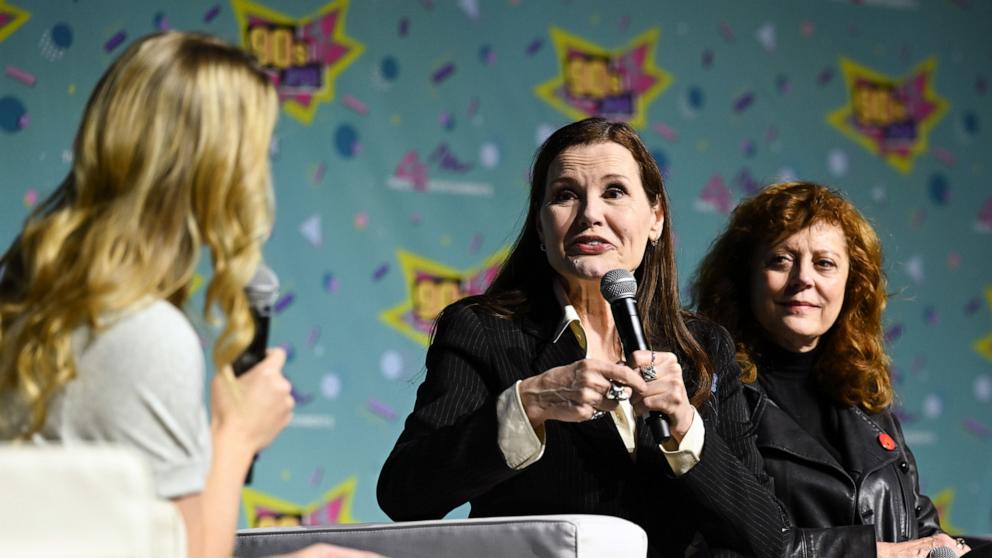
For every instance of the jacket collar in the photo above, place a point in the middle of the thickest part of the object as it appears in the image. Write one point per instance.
(863, 448)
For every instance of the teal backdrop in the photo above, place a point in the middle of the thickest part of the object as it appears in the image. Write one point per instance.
(401, 160)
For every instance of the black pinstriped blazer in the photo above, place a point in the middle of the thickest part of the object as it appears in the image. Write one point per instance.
(448, 452)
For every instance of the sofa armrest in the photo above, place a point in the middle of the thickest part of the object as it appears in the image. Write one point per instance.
(544, 536)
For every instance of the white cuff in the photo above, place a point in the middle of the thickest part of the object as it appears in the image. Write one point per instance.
(687, 454)
(518, 441)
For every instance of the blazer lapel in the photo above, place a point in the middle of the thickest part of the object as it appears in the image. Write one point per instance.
(599, 434)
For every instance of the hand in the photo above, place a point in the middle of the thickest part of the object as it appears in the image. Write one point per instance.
(572, 393)
(255, 406)
(666, 393)
(919, 548)
(322, 550)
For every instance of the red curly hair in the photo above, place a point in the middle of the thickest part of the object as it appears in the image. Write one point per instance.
(853, 367)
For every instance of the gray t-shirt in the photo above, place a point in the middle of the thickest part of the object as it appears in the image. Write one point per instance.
(140, 383)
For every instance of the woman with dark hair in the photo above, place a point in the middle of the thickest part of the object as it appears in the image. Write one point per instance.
(527, 406)
(797, 280)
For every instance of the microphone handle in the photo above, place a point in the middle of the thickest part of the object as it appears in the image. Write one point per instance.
(632, 337)
(252, 355)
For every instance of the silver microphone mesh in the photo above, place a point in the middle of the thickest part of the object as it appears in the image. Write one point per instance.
(617, 284)
(262, 289)
(942, 552)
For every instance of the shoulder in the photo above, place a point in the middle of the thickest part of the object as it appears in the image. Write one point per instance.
(151, 338)
(713, 338)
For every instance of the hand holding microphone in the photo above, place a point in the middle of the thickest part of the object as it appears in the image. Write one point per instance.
(667, 391)
(258, 404)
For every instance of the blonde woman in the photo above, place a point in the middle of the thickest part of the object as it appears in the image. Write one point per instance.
(171, 155)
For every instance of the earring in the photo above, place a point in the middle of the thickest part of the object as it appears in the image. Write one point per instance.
(543, 249)
(654, 242)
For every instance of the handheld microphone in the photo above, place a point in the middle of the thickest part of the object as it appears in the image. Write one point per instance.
(262, 291)
(619, 287)
(942, 552)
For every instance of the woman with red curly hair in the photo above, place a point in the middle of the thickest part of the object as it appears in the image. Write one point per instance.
(797, 279)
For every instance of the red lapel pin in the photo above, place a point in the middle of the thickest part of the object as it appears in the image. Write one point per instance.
(886, 441)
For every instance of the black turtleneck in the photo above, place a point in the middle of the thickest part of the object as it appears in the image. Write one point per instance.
(789, 380)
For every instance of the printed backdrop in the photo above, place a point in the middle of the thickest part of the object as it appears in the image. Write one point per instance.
(401, 159)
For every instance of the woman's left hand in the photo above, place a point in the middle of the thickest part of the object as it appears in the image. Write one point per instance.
(666, 393)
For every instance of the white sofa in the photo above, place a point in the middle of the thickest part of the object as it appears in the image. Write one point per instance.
(548, 536)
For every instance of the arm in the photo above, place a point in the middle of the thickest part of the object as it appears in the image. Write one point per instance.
(248, 413)
(447, 453)
(729, 481)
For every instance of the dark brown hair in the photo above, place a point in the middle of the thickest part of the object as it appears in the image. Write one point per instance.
(525, 281)
(853, 367)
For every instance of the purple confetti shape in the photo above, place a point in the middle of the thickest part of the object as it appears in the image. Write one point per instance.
(981, 86)
(931, 316)
(707, 58)
(300, 397)
(825, 76)
(624, 22)
(743, 102)
(114, 41)
(443, 73)
(318, 174)
(381, 409)
(473, 106)
(211, 13)
(726, 31)
(535, 46)
(314, 336)
(893, 333)
(290, 351)
(972, 306)
(380, 272)
(404, 26)
(476, 243)
(284, 302)
(330, 283)
(978, 429)
(317, 476)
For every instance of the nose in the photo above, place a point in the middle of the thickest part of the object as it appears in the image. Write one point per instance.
(591, 212)
(801, 277)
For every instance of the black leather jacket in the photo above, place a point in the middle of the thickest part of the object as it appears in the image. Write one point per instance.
(842, 510)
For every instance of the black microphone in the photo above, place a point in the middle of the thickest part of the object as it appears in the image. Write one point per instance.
(619, 287)
(262, 291)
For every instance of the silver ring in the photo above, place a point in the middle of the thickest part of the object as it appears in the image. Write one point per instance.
(960, 542)
(616, 392)
(649, 373)
(597, 414)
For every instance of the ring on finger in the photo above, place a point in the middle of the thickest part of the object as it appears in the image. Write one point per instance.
(597, 414)
(960, 542)
(616, 392)
(649, 373)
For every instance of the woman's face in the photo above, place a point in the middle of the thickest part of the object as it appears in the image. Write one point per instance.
(797, 285)
(596, 216)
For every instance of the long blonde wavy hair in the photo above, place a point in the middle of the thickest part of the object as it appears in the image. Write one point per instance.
(853, 367)
(171, 155)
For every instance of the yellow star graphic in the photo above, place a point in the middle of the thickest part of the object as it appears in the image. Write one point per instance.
(279, 44)
(11, 17)
(334, 507)
(430, 287)
(943, 501)
(891, 118)
(590, 75)
(983, 346)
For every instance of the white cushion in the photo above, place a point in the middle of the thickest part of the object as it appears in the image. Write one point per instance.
(83, 502)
